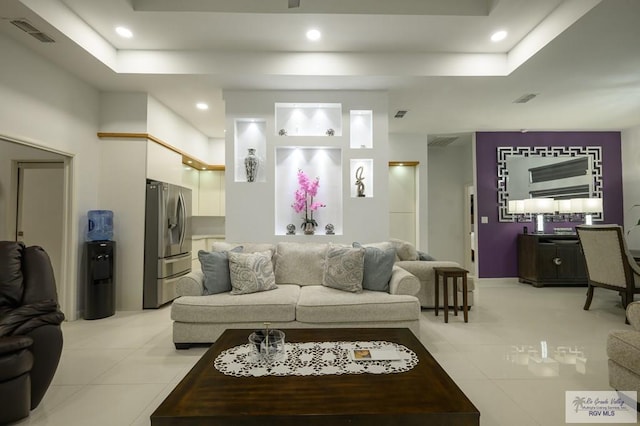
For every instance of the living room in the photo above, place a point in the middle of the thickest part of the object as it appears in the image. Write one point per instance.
(48, 107)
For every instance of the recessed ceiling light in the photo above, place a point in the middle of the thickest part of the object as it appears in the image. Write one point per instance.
(202, 106)
(498, 36)
(124, 32)
(314, 35)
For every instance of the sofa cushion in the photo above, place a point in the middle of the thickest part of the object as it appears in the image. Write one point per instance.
(623, 347)
(251, 272)
(300, 263)
(215, 266)
(343, 268)
(378, 267)
(319, 304)
(404, 249)
(275, 305)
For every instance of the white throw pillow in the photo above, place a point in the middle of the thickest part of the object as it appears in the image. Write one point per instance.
(251, 272)
(344, 268)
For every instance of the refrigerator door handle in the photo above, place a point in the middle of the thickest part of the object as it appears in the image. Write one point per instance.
(182, 220)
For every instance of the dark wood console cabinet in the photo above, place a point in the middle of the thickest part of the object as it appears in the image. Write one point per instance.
(545, 260)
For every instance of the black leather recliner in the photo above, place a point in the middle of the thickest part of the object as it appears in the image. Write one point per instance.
(30, 333)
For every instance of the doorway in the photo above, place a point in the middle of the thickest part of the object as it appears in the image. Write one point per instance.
(403, 201)
(469, 229)
(36, 207)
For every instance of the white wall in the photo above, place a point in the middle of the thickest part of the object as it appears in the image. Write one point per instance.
(123, 112)
(123, 190)
(250, 206)
(450, 169)
(173, 129)
(136, 112)
(216, 151)
(405, 147)
(43, 104)
(631, 184)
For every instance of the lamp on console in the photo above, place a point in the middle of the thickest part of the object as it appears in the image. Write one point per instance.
(588, 206)
(516, 207)
(539, 206)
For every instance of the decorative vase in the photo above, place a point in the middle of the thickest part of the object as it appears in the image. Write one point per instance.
(309, 229)
(329, 229)
(251, 165)
(359, 183)
(291, 229)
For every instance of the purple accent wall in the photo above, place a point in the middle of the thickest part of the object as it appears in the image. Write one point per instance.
(497, 254)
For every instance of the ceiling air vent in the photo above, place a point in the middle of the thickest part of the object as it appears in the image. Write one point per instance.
(28, 28)
(443, 140)
(525, 98)
(400, 114)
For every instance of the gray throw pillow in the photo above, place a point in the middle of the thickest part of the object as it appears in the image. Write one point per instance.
(215, 266)
(251, 272)
(424, 256)
(343, 268)
(378, 267)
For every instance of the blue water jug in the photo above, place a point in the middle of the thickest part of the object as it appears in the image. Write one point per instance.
(100, 225)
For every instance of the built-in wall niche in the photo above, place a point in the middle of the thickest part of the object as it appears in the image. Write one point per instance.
(250, 134)
(361, 172)
(324, 163)
(361, 124)
(308, 119)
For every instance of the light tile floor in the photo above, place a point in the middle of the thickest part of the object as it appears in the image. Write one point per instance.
(117, 370)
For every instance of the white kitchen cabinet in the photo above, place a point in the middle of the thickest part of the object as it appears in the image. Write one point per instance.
(191, 180)
(222, 194)
(163, 164)
(211, 193)
(402, 203)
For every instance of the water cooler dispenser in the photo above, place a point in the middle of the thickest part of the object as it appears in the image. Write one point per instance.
(100, 291)
(100, 294)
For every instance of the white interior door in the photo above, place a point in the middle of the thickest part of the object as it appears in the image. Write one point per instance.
(402, 203)
(40, 217)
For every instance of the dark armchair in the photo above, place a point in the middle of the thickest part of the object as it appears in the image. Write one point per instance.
(30, 333)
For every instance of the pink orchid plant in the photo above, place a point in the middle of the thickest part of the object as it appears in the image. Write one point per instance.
(304, 198)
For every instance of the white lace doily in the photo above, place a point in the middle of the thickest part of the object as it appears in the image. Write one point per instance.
(314, 359)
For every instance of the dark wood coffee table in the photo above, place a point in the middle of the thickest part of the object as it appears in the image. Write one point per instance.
(423, 395)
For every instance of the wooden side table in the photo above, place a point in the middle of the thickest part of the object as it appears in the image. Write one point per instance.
(454, 273)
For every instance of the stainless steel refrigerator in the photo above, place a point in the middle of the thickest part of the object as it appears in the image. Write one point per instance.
(167, 247)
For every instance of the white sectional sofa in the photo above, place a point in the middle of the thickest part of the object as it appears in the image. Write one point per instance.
(311, 290)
